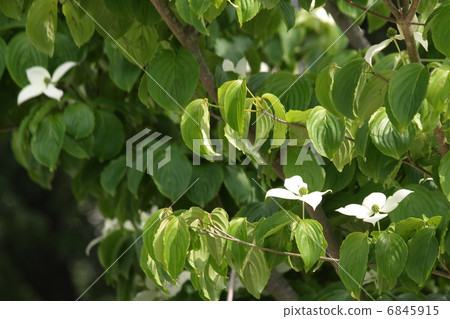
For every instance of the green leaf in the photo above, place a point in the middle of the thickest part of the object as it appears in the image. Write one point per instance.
(295, 91)
(246, 10)
(264, 124)
(279, 129)
(376, 165)
(134, 179)
(407, 90)
(42, 20)
(272, 224)
(237, 254)
(139, 44)
(21, 55)
(326, 131)
(346, 85)
(176, 243)
(79, 120)
(123, 73)
(374, 22)
(151, 270)
(2, 56)
(256, 273)
(112, 174)
(108, 134)
(78, 148)
(288, 12)
(234, 104)
(353, 262)
(305, 4)
(12, 8)
(217, 246)
(440, 37)
(310, 241)
(345, 153)
(444, 176)
(238, 184)
(173, 79)
(386, 137)
(421, 202)
(269, 4)
(81, 26)
(391, 254)
(172, 179)
(195, 127)
(323, 88)
(48, 140)
(423, 252)
(372, 96)
(210, 178)
(408, 227)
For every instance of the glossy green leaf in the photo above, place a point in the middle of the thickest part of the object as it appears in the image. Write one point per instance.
(108, 134)
(391, 253)
(12, 8)
(237, 254)
(444, 175)
(173, 178)
(269, 4)
(288, 12)
(195, 128)
(353, 262)
(326, 131)
(346, 85)
(294, 91)
(310, 241)
(48, 140)
(210, 178)
(386, 137)
(216, 246)
(81, 26)
(264, 124)
(407, 90)
(423, 252)
(372, 96)
(406, 228)
(323, 88)
(174, 77)
(123, 73)
(279, 129)
(189, 15)
(80, 148)
(272, 224)
(256, 273)
(176, 243)
(346, 151)
(246, 10)
(234, 105)
(41, 26)
(305, 4)
(79, 120)
(238, 184)
(139, 44)
(112, 174)
(440, 37)
(21, 55)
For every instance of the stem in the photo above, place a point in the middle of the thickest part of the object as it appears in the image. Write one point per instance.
(416, 166)
(189, 40)
(399, 51)
(441, 139)
(303, 210)
(231, 285)
(379, 228)
(280, 120)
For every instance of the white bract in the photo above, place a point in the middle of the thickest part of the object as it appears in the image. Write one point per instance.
(41, 82)
(297, 189)
(377, 48)
(242, 67)
(374, 205)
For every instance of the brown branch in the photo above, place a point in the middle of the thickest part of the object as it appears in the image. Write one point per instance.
(441, 139)
(285, 253)
(189, 40)
(370, 11)
(231, 285)
(416, 166)
(412, 11)
(393, 9)
(346, 24)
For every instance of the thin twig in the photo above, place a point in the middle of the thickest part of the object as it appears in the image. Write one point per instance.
(441, 139)
(440, 274)
(370, 11)
(393, 9)
(281, 121)
(285, 253)
(411, 163)
(231, 285)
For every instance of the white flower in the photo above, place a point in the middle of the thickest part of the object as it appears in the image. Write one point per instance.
(242, 67)
(298, 190)
(377, 48)
(42, 83)
(373, 205)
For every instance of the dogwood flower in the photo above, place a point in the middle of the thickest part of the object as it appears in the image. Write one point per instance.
(374, 205)
(241, 68)
(297, 189)
(41, 82)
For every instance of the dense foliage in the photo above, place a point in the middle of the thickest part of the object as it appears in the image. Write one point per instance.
(274, 83)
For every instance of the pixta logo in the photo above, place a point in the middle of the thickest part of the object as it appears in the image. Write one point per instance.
(148, 150)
